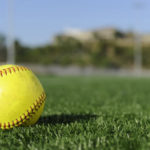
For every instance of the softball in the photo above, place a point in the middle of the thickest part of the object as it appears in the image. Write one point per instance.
(22, 97)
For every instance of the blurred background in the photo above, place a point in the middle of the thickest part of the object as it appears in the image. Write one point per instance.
(76, 37)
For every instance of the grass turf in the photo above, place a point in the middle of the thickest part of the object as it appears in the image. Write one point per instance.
(88, 113)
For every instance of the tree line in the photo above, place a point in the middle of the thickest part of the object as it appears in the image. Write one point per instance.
(67, 50)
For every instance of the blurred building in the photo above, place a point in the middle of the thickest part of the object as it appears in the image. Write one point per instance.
(121, 37)
(145, 39)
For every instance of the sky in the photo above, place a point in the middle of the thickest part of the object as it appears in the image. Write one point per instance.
(36, 22)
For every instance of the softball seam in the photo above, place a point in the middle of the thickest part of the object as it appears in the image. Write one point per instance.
(31, 110)
(10, 70)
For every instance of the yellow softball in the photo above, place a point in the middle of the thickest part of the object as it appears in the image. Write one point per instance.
(22, 97)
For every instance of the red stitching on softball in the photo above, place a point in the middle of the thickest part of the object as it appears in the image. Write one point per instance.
(20, 119)
(32, 109)
(1, 73)
(4, 125)
(17, 68)
(5, 71)
(12, 69)
(13, 123)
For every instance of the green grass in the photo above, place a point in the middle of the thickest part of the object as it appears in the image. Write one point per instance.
(88, 113)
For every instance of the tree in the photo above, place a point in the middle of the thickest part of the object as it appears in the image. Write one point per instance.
(2, 48)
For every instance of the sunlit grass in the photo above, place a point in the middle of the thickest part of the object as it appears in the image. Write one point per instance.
(88, 113)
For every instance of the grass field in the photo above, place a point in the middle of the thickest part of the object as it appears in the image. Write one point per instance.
(88, 113)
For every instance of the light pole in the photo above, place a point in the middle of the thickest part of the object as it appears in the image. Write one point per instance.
(10, 36)
(138, 53)
(138, 44)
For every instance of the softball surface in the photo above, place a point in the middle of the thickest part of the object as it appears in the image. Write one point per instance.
(22, 97)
